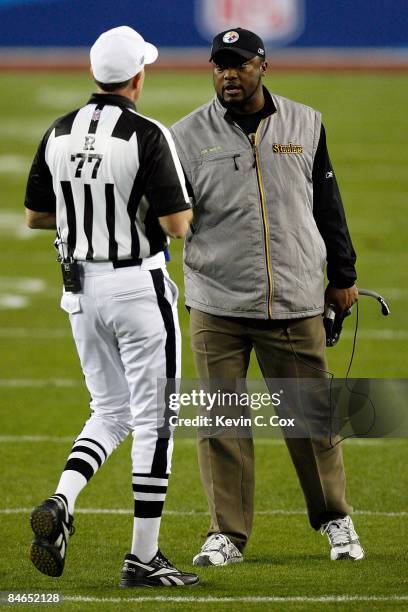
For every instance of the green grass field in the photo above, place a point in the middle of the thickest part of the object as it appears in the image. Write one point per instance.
(44, 402)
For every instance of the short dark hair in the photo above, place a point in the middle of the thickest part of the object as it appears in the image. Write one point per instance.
(111, 87)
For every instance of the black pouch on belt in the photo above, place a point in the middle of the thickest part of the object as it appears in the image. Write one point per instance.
(70, 275)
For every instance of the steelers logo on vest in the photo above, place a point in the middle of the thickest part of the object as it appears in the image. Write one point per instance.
(230, 37)
(283, 149)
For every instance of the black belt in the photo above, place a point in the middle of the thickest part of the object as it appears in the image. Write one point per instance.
(126, 263)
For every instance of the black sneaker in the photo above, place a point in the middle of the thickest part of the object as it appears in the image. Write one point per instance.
(158, 572)
(52, 526)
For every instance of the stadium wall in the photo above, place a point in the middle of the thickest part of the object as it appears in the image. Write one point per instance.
(299, 34)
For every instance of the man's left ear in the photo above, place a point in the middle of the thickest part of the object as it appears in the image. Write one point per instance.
(264, 66)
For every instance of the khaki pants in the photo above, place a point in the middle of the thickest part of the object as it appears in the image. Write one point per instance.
(222, 348)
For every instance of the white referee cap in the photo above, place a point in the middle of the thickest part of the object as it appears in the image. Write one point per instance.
(119, 54)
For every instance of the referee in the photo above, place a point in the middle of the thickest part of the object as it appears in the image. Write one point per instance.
(109, 181)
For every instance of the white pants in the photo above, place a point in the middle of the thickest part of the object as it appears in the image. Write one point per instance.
(125, 325)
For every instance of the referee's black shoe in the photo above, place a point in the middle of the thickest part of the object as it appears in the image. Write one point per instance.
(52, 525)
(159, 572)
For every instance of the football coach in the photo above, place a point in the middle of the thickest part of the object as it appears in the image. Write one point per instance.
(267, 218)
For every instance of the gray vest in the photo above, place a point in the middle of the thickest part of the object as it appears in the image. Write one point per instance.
(254, 249)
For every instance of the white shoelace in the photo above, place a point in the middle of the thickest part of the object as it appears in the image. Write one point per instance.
(216, 541)
(338, 531)
(210, 544)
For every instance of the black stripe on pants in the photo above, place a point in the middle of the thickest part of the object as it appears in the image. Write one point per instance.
(159, 464)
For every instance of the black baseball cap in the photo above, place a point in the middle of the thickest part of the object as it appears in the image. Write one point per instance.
(245, 43)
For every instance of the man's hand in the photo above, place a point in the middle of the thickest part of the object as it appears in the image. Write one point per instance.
(343, 299)
(177, 224)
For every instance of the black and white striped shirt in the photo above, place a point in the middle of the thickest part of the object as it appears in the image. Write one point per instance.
(108, 173)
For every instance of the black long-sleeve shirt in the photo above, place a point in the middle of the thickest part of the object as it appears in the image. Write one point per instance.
(330, 218)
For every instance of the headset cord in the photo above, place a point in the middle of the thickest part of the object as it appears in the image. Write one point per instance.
(331, 375)
(354, 344)
(332, 444)
(359, 393)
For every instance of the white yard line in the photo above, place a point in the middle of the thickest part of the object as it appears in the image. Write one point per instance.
(12, 222)
(8, 301)
(260, 599)
(393, 293)
(23, 332)
(22, 284)
(24, 438)
(377, 334)
(39, 382)
(393, 335)
(14, 164)
(271, 512)
(188, 441)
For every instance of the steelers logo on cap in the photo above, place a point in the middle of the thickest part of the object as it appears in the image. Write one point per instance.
(230, 37)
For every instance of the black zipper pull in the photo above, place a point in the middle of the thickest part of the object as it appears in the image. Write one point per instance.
(254, 147)
(255, 154)
(235, 160)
